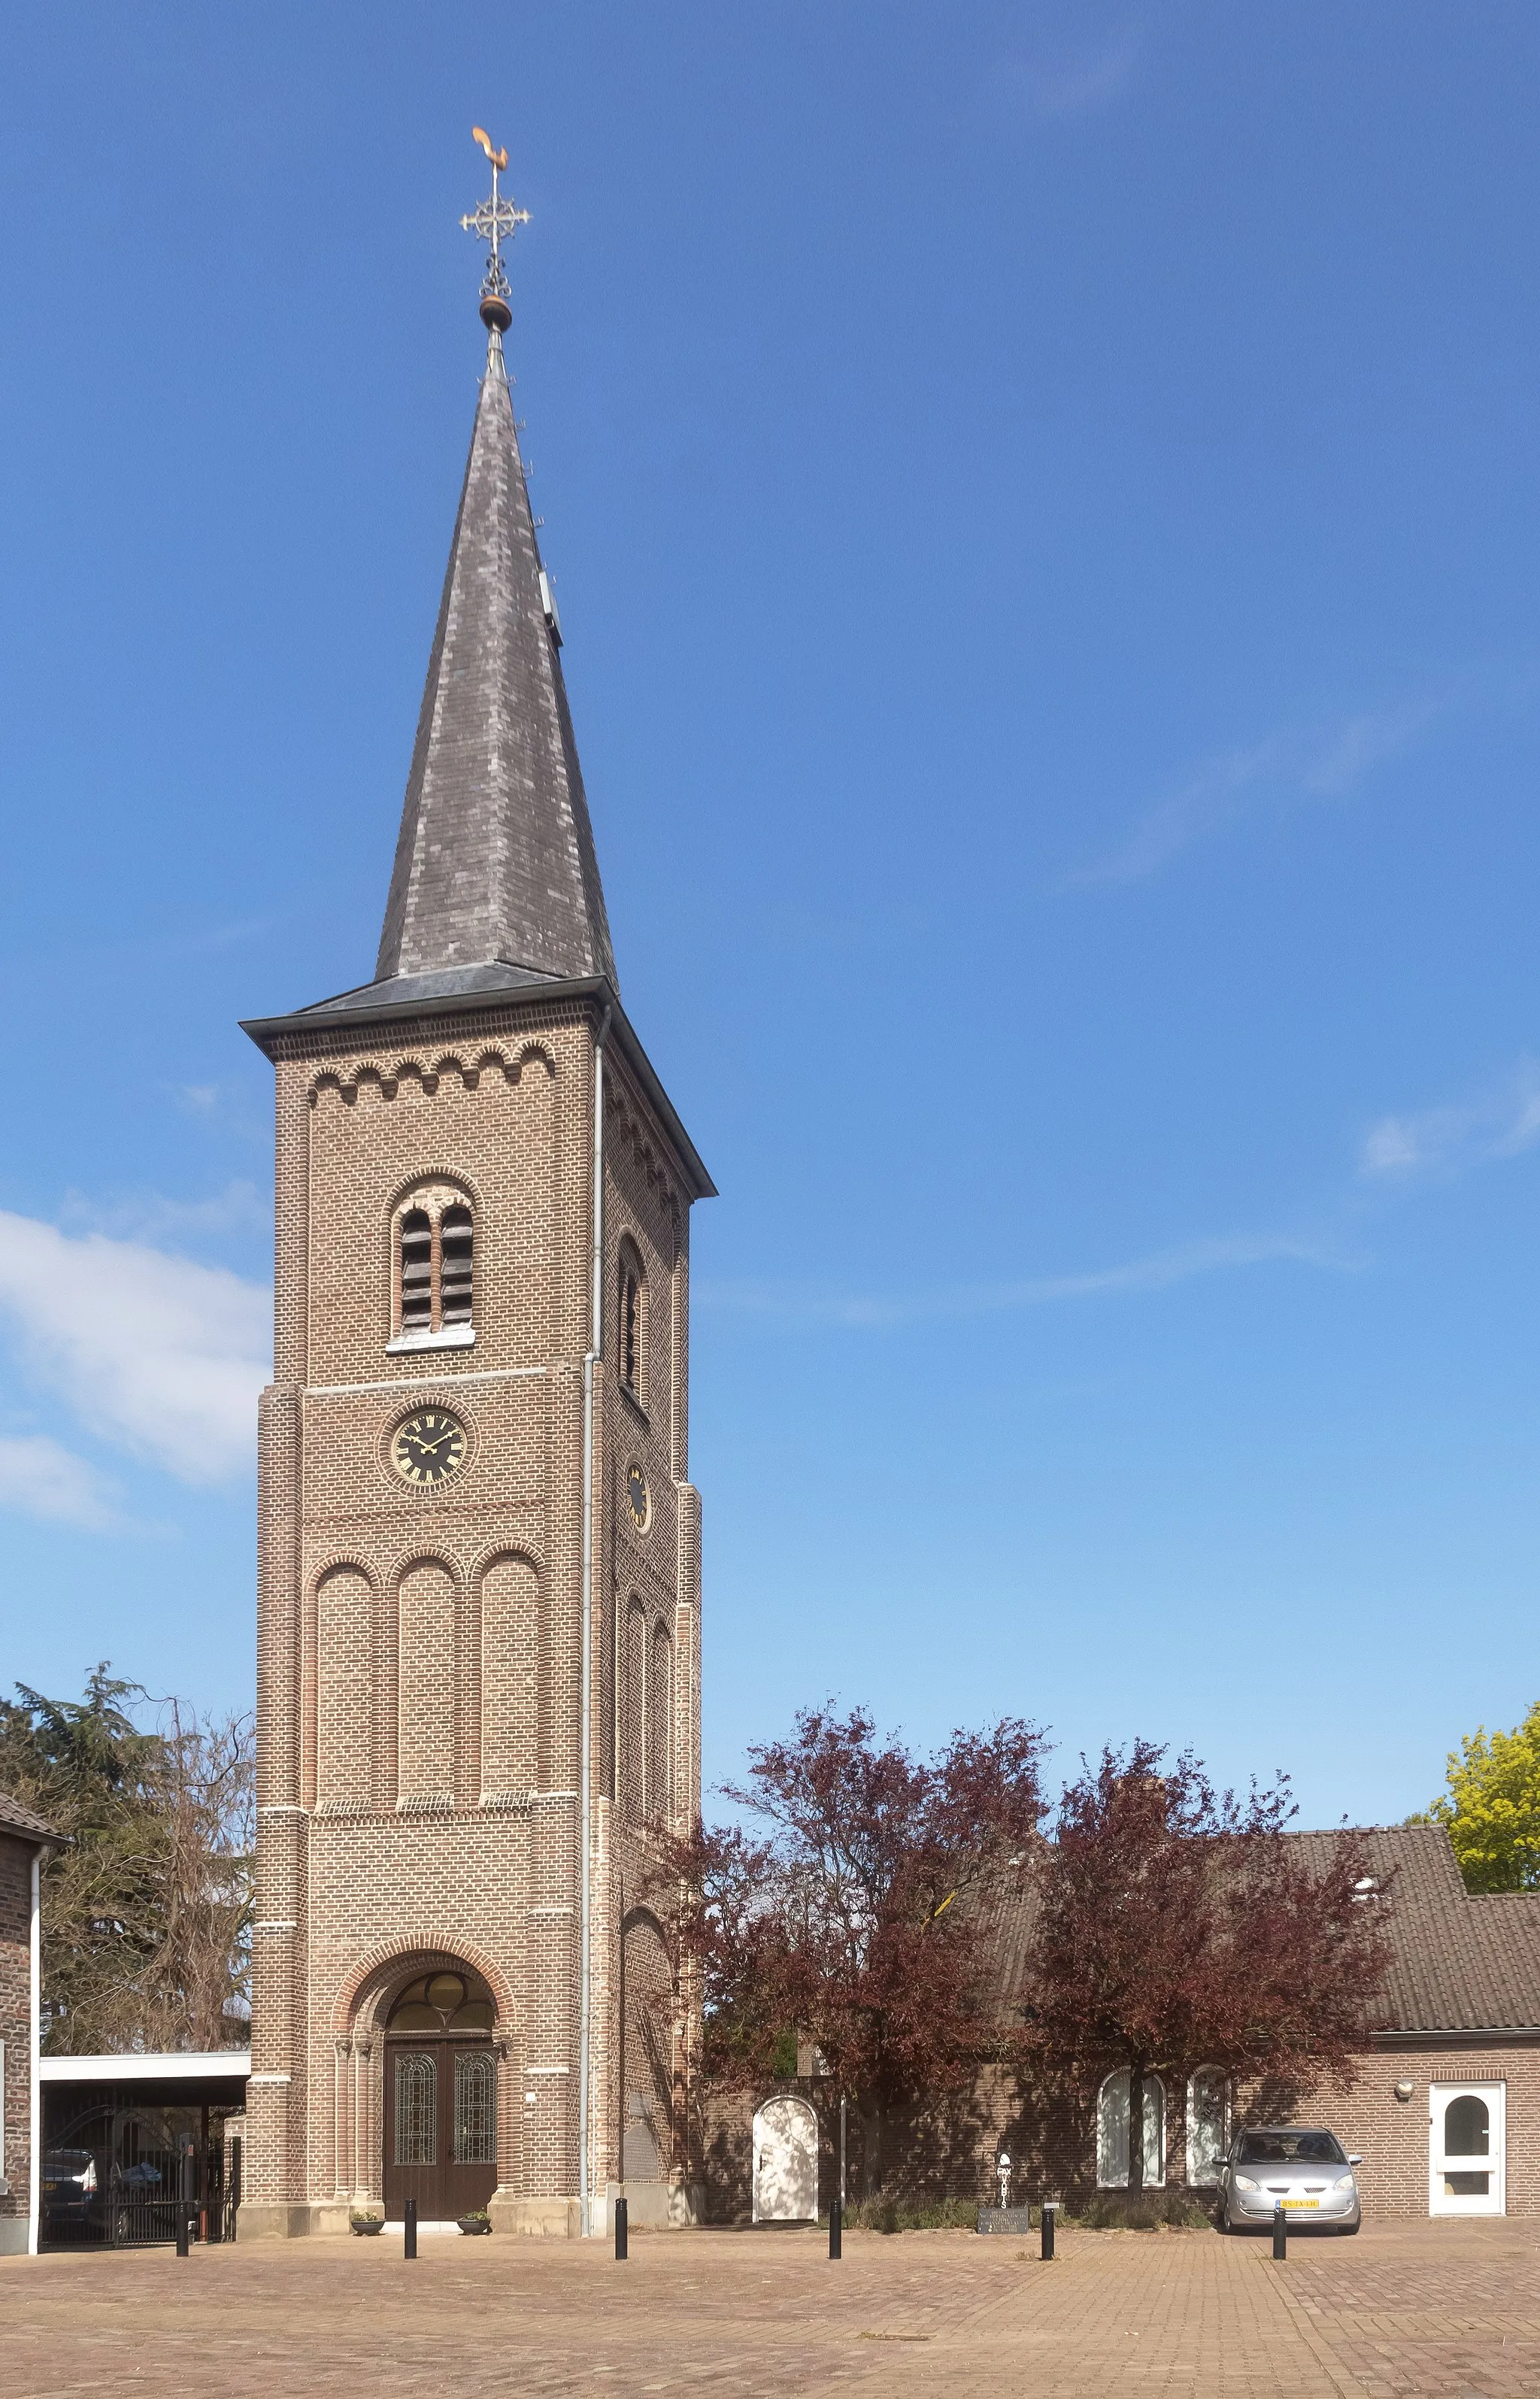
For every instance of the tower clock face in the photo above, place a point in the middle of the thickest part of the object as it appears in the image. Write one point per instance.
(428, 1448)
(636, 1494)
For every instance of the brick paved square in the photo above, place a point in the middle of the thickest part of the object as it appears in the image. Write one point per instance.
(1406, 2309)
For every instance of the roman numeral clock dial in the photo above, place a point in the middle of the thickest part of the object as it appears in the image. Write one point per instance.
(428, 1448)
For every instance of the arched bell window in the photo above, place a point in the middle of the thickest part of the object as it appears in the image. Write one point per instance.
(434, 1262)
(632, 1325)
(456, 1236)
(416, 1271)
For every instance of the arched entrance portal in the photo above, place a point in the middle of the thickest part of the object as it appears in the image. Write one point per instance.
(440, 2097)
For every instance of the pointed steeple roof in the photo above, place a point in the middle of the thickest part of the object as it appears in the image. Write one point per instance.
(494, 865)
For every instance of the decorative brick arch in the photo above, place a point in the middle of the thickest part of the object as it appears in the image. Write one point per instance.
(426, 1071)
(389, 1963)
(409, 1559)
(649, 2094)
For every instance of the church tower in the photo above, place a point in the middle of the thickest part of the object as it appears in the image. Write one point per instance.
(479, 1597)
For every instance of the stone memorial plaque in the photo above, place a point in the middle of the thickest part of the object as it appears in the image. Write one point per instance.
(1005, 2219)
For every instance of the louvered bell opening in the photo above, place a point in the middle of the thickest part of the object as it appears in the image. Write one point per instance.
(630, 1329)
(455, 1270)
(416, 1272)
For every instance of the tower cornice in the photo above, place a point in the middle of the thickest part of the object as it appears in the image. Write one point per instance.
(333, 1028)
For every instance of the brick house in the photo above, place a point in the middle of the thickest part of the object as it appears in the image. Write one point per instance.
(25, 1841)
(1456, 2057)
(479, 1582)
(1445, 2108)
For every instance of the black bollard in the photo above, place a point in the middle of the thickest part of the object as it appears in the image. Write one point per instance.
(1280, 2231)
(1050, 2209)
(836, 2230)
(183, 2250)
(622, 2231)
(410, 2245)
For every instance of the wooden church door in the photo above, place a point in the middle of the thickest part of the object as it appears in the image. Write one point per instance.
(441, 2098)
(440, 2128)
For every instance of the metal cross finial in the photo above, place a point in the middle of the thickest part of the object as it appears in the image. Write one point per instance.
(495, 221)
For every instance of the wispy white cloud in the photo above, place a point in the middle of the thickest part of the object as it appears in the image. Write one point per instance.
(1073, 77)
(150, 1217)
(39, 1477)
(1500, 1120)
(154, 1353)
(1287, 769)
(1157, 1271)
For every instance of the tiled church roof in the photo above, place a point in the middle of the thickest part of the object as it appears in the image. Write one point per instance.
(496, 884)
(496, 894)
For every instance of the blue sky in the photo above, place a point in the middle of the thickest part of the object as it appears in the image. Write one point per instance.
(1044, 506)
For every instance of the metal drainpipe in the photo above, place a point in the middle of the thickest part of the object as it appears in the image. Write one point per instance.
(35, 2091)
(596, 1330)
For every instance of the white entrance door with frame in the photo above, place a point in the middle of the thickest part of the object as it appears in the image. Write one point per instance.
(1465, 2144)
(786, 2162)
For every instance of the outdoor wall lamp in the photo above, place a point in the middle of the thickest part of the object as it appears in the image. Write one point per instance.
(1405, 2090)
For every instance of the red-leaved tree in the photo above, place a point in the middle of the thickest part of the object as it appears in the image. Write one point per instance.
(1181, 1926)
(850, 1921)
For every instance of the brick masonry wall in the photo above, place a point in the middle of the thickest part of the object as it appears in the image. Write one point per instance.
(1393, 2133)
(949, 2150)
(16, 1859)
(420, 1657)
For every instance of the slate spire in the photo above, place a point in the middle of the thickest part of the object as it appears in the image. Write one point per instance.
(496, 862)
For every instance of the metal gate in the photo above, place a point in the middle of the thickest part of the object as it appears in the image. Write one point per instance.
(117, 2178)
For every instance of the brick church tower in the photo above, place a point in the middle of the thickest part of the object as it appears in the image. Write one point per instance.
(479, 1549)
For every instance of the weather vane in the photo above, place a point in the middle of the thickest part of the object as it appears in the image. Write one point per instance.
(495, 221)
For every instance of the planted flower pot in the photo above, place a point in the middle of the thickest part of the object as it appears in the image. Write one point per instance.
(477, 2221)
(365, 2224)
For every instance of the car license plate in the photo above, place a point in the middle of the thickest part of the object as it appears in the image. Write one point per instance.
(1302, 2203)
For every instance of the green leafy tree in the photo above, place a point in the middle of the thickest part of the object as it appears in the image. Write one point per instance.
(146, 1914)
(1491, 1807)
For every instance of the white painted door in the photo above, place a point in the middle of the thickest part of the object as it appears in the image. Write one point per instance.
(1466, 2144)
(786, 2162)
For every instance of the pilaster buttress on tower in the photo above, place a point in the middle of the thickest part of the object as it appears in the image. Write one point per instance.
(478, 1591)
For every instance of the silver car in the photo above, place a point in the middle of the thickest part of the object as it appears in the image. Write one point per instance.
(1304, 2166)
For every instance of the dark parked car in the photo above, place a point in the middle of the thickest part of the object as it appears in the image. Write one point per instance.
(69, 2185)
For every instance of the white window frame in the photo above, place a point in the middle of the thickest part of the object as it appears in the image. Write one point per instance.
(1107, 2176)
(1207, 2073)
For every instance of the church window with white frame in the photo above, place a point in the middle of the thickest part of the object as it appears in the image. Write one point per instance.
(1112, 2131)
(1208, 2125)
(433, 1261)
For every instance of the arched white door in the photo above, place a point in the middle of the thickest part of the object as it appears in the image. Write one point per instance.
(1466, 2131)
(786, 2162)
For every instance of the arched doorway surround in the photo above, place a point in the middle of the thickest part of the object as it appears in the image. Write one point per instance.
(423, 2100)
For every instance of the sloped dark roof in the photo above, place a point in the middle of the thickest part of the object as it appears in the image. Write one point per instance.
(495, 863)
(1463, 1961)
(14, 1818)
